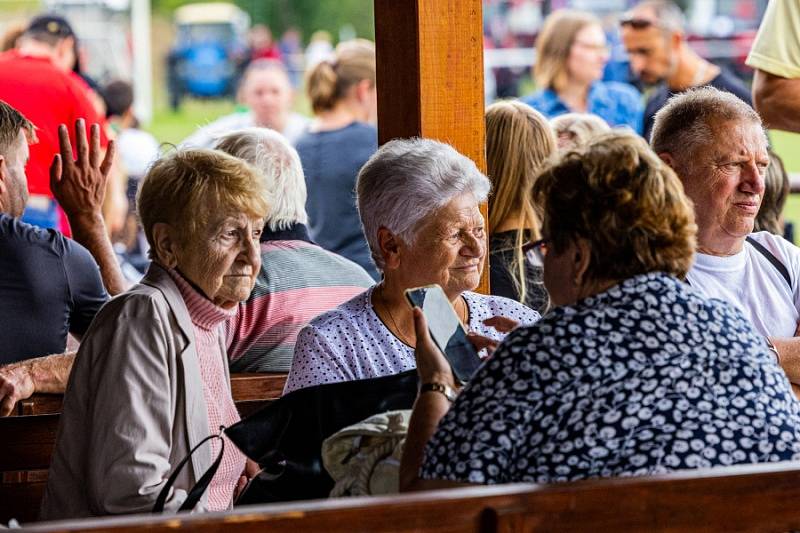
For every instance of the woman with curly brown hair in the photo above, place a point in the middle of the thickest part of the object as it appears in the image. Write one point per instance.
(632, 373)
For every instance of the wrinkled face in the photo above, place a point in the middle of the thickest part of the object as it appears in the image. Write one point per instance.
(223, 259)
(269, 95)
(725, 180)
(449, 248)
(588, 55)
(15, 181)
(651, 56)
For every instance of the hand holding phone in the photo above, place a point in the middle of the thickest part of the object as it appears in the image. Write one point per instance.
(446, 330)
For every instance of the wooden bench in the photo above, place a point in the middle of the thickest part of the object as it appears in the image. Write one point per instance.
(27, 440)
(248, 390)
(744, 498)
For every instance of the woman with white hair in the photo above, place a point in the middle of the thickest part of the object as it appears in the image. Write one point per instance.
(418, 202)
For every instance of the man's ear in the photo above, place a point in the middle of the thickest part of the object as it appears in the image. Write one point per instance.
(667, 158)
(165, 244)
(3, 180)
(390, 247)
(581, 257)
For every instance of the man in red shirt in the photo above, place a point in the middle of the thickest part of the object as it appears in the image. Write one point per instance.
(36, 79)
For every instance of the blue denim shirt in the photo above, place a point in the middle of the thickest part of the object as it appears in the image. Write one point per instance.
(619, 104)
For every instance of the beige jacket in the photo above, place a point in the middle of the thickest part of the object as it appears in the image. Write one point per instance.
(134, 407)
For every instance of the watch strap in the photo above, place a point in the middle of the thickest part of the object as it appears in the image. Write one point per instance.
(441, 388)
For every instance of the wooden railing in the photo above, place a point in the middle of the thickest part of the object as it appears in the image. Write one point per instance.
(758, 498)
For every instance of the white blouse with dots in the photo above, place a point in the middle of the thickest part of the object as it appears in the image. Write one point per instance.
(351, 342)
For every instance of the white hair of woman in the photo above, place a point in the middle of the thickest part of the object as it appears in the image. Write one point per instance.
(270, 153)
(407, 180)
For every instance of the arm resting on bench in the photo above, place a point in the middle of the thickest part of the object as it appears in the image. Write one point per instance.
(18, 381)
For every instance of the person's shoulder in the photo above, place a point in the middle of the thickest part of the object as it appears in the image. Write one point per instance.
(619, 90)
(777, 245)
(36, 240)
(501, 306)
(348, 315)
(541, 99)
(727, 81)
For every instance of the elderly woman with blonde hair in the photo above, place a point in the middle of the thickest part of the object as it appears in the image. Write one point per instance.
(633, 372)
(150, 380)
(518, 143)
(418, 202)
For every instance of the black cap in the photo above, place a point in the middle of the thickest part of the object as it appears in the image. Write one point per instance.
(54, 25)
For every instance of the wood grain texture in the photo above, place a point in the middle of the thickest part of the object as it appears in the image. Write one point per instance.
(758, 498)
(430, 76)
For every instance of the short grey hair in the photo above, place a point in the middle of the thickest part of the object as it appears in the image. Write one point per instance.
(406, 181)
(668, 16)
(270, 153)
(688, 120)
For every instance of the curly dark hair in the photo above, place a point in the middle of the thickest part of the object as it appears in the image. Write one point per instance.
(618, 195)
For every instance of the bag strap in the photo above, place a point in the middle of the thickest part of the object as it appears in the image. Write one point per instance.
(200, 487)
(772, 259)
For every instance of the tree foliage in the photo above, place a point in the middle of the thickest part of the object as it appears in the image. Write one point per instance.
(306, 15)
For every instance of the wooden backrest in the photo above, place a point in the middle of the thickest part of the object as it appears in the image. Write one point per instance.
(27, 440)
(748, 498)
(256, 387)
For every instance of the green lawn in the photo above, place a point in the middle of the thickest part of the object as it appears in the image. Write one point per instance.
(172, 127)
(787, 145)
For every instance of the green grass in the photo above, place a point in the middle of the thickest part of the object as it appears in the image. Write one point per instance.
(172, 127)
(787, 145)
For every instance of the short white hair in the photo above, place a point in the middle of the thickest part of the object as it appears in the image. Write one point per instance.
(270, 153)
(407, 180)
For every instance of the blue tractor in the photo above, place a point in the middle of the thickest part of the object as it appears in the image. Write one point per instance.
(209, 53)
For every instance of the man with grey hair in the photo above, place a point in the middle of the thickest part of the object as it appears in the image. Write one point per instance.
(717, 146)
(654, 38)
(298, 280)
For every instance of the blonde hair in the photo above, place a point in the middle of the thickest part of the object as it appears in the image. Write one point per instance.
(331, 79)
(519, 140)
(182, 188)
(574, 130)
(776, 189)
(553, 46)
(625, 201)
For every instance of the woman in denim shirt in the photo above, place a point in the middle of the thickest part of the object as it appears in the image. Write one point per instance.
(571, 54)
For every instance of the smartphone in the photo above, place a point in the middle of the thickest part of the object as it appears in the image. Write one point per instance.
(446, 330)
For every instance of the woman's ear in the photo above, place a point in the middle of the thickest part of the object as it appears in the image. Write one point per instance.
(581, 257)
(389, 248)
(166, 244)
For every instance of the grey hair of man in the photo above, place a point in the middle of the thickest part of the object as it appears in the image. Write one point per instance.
(666, 13)
(408, 180)
(691, 120)
(270, 153)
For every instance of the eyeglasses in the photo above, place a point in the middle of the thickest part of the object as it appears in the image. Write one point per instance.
(538, 247)
(637, 23)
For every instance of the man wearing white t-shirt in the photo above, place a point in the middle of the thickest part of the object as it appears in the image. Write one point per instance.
(717, 146)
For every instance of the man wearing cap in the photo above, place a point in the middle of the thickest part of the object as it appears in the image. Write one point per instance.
(653, 35)
(36, 79)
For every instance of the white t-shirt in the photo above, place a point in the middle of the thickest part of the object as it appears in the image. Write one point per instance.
(351, 342)
(206, 136)
(754, 285)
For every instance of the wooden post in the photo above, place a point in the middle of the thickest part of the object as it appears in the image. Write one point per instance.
(430, 76)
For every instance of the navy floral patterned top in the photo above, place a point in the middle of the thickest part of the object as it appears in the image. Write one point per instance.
(644, 378)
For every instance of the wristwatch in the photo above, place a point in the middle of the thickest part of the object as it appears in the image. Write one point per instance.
(441, 388)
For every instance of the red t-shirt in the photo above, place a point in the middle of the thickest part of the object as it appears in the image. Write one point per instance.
(47, 97)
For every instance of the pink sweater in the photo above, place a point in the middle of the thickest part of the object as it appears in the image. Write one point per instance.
(207, 320)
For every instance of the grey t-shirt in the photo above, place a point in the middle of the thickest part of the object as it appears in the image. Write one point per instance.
(331, 161)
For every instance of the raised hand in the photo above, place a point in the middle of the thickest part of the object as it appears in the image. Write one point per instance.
(79, 185)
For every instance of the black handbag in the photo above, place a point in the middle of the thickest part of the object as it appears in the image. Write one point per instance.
(285, 438)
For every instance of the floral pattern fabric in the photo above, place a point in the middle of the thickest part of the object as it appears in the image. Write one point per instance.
(645, 378)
